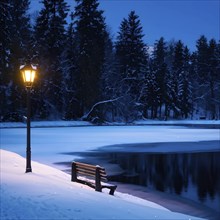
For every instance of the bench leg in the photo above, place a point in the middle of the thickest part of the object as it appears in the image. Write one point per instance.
(112, 190)
(98, 186)
(73, 174)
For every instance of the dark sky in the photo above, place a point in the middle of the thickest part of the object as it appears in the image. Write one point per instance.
(184, 20)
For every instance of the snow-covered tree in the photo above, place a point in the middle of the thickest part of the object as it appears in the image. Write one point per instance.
(160, 71)
(5, 40)
(69, 73)
(213, 78)
(177, 71)
(206, 69)
(15, 40)
(90, 52)
(150, 98)
(131, 54)
(110, 83)
(185, 86)
(50, 35)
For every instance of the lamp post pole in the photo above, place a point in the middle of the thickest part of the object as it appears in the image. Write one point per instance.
(28, 72)
(28, 150)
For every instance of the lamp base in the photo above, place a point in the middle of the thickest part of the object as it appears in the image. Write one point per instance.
(28, 170)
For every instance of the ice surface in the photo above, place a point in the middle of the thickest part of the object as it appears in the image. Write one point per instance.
(52, 144)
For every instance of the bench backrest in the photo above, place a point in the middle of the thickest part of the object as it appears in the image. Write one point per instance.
(96, 172)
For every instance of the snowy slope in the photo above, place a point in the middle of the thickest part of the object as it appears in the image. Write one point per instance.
(48, 193)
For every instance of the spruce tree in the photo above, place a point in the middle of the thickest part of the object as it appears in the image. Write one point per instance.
(110, 83)
(213, 78)
(177, 73)
(150, 98)
(5, 40)
(131, 53)
(69, 70)
(50, 36)
(206, 69)
(185, 86)
(202, 57)
(90, 38)
(16, 50)
(178, 82)
(160, 71)
(201, 70)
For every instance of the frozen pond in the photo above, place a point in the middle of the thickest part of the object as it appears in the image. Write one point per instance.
(195, 176)
(47, 143)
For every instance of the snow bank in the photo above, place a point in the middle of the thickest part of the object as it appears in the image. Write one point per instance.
(48, 193)
(177, 122)
(60, 123)
(39, 124)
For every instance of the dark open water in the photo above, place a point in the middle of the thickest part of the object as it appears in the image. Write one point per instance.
(192, 176)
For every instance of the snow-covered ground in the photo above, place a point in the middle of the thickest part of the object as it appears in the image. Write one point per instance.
(54, 196)
(48, 193)
(44, 124)
(85, 123)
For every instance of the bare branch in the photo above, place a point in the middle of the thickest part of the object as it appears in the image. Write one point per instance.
(99, 103)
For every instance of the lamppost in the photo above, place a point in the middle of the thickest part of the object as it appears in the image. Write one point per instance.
(28, 72)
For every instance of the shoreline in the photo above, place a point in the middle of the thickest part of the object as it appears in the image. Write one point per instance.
(169, 201)
(197, 124)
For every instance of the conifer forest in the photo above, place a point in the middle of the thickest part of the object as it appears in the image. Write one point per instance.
(86, 74)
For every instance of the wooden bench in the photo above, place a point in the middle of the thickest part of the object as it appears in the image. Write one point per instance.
(91, 175)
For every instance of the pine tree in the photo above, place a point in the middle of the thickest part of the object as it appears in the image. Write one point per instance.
(50, 36)
(179, 85)
(69, 70)
(201, 69)
(177, 73)
(218, 80)
(169, 60)
(151, 92)
(202, 57)
(5, 40)
(160, 70)
(110, 83)
(185, 86)
(16, 38)
(206, 69)
(213, 77)
(90, 38)
(131, 53)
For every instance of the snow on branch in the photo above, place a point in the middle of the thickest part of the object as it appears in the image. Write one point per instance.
(99, 103)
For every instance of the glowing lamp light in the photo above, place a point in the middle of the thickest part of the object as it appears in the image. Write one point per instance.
(28, 73)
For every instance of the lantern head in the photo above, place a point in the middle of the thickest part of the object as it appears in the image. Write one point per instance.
(28, 73)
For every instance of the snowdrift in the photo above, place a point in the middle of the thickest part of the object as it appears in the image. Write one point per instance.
(48, 193)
